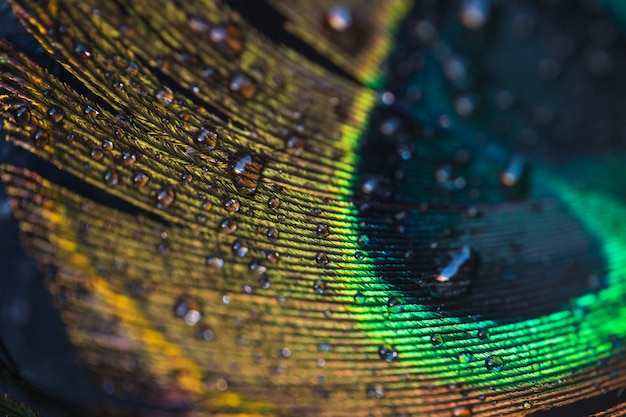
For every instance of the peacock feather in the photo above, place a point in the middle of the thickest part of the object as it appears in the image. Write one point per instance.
(296, 208)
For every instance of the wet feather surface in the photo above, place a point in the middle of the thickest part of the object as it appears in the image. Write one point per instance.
(329, 229)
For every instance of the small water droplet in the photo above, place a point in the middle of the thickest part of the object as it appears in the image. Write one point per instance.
(359, 298)
(394, 305)
(358, 255)
(227, 38)
(273, 256)
(228, 225)
(55, 113)
(387, 353)
(321, 258)
(240, 248)
(111, 177)
(436, 339)
(215, 261)
(107, 145)
(494, 363)
(232, 205)
(22, 116)
(140, 180)
(264, 281)
(204, 332)
(272, 234)
(339, 18)
(245, 170)
(165, 96)
(462, 411)
(41, 138)
(243, 85)
(363, 241)
(188, 308)
(483, 334)
(527, 404)
(323, 230)
(319, 286)
(96, 154)
(205, 138)
(464, 357)
(128, 158)
(91, 112)
(165, 197)
(273, 203)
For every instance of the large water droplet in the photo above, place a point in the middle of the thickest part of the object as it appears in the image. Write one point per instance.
(436, 339)
(111, 177)
(232, 205)
(321, 258)
(21, 116)
(140, 180)
(464, 357)
(245, 170)
(457, 276)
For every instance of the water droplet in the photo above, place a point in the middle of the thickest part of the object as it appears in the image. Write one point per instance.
(81, 51)
(264, 281)
(513, 171)
(228, 225)
(273, 256)
(273, 203)
(165, 96)
(394, 305)
(96, 154)
(464, 357)
(436, 339)
(358, 255)
(363, 241)
(474, 13)
(227, 38)
(111, 177)
(457, 276)
(128, 158)
(243, 85)
(21, 116)
(387, 353)
(319, 286)
(527, 404)
(41, 138)
(483, 334)
(204, 332)
(462, 411)
(359, 298)
(206, 138)
(494, 363)
(232, 205)
(323, 230)
(188, 308)
(321, 258)
(140, 180)
(55, 113)
(339, 18)
(245, 169)
(91, 112)
(215, 261)
(240, 248)
(272, 234)
(165, 197)
(206, 205)
(107, 145)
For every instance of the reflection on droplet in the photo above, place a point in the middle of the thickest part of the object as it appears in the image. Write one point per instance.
(513, 171)
(205, 138)
(321, 258)
(55, 114)
(457, 276)
(464, 357)
(111, 177)
(232, 205)
(436, 339)
(165, 96)
(240, 248)
(188, 308)
(319, 286)
(21, 116)
(140, 180)
(339, 17)
(215, 261)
